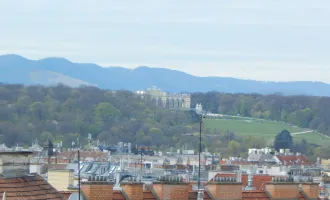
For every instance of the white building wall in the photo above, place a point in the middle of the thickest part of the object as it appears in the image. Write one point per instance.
(273, 171)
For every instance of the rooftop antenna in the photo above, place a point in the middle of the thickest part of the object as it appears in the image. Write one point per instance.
(250, 180)
(200, 195)
(79, 173)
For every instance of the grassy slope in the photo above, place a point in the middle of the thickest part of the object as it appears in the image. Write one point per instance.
(262, 129)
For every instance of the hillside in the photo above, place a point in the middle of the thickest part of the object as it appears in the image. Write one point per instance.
(65, 114)
(266, 129)
(61, 113)
(16, 69)
(304, 111)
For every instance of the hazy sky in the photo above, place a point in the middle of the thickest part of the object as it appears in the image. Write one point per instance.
(264, 40)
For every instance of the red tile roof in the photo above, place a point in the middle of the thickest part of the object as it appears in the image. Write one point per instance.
(117, 195)
(147, 195)
(254, 195)
(294, 160)
(28, 188)
(193, 195)
(223, 175)
(258, 181)
(224, 162)
(260, 195)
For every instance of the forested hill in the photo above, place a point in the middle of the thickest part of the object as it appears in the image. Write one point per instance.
(61, 113)
(303, 111)
(65, 114)
(51, 71)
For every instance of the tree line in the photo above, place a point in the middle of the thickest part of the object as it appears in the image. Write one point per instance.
(304, 111)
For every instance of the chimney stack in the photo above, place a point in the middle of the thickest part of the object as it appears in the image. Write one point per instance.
(225, 188)
(97, 188)
(171, 188)
(15, 163)
(133, 189)
(310, 190)
(282, 188)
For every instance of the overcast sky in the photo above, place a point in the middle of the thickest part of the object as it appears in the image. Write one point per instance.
(277, 40)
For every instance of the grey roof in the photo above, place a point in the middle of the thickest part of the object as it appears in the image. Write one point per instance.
(92, 168)
(267, 158)
(254, 157)
(73, 166)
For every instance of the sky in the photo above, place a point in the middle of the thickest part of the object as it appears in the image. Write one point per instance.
(269, 40)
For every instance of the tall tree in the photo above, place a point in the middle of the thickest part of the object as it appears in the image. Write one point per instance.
(283, 140)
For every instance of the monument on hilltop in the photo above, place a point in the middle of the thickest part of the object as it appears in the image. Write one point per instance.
(167, 100)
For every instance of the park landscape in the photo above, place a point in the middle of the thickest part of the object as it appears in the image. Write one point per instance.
(267, 129)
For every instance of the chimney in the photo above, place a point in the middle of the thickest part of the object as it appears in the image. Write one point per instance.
(225, 188)
(97, 188)
(15, 163)
(61, 179)
(133, 190)
(170, 188)
(310, 190)
(282, 188)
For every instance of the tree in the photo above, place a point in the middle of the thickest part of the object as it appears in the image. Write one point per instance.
(233, 147)
(322, 152)
(38, 110)
(156, 135)
(106, 111)
(21, 105)
(46, 136)
(283, 140)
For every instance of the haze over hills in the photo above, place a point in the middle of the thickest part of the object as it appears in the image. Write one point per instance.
(50, 71)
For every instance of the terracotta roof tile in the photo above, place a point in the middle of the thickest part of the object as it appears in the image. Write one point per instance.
(193, 196)
(28, 188)
(117, 195)
(223, 175)
(260, 195)
(147, 195)
(293, 160)
(254, 195)
(258, 180)
(224, 162)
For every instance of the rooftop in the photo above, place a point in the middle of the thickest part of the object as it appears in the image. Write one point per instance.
(31, 187)
(15, 152)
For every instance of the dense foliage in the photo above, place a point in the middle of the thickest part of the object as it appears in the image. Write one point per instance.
(304, 111)
(283, 140)
(65, 114)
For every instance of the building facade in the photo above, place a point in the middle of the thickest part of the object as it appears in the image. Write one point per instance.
(167, 100)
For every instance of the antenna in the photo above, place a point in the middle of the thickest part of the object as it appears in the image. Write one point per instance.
(79, 173)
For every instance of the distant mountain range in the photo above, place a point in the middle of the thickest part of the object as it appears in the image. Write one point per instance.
(51, 71)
